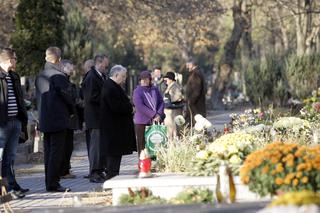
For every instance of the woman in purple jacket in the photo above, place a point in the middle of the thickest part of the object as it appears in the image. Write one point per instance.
(149, 107)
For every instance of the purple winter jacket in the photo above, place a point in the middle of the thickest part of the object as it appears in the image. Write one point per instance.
(148, 103)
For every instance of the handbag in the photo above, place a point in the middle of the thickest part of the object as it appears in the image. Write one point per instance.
(155, 136)
(172, 105)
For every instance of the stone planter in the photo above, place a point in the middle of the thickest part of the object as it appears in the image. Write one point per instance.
(169, 185)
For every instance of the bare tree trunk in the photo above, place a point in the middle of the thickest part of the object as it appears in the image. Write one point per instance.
(246, 53)
(283, 29)
(301, 26)
(300, 37)
(226, 62)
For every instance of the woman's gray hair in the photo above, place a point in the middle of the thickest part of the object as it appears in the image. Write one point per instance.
(117, 69)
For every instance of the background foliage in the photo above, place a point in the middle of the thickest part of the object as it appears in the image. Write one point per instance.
(39, 24)
(268, 40)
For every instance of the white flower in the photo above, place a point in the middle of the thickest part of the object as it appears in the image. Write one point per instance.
(314, 93)
(198, 118)
(202, 123)
(208, 124)
(199, 126)
(232, 149)
(290, 122)
(235, 159)
(179, 120)
(202, 155)
(255, 129)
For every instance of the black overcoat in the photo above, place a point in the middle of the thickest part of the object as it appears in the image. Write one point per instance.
(57, 105)
(196, 95)
(117, 128)
(91, 89)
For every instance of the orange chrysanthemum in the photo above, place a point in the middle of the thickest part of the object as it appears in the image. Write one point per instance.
(279, 181)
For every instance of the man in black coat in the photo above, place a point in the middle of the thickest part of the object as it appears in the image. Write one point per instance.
(195, 93)
(117, 128)
(13, 118)
(56, 110)
(91, 88)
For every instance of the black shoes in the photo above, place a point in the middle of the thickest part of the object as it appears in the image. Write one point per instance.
(21, 190)
(97, 179)
(68, 176)
(108, 177)
(59, 189)
(87, 176)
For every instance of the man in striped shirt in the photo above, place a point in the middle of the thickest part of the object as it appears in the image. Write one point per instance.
(13, 118)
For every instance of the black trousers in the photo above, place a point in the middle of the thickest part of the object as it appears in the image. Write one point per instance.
(66, 165)
(113, 165)
(87, 132)
(141, 142)
(54, 152)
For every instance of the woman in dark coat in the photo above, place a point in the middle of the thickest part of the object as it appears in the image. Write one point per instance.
(117, 129)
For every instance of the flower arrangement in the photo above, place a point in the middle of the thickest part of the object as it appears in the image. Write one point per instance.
(190, 195)
(282, 167)
(251, 117)
(228, 145)
(293, 129)
(304, 197)
(140, 196)
(193, 195)
(311, 109)
(232, 147)
(303, 201)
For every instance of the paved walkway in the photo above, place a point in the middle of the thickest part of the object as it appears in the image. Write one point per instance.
(32, 177)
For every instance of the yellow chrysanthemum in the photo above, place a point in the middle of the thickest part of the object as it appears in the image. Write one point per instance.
(304, 179)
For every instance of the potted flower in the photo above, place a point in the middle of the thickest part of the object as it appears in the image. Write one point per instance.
(231, 148)
(303, 201)
(282, 167)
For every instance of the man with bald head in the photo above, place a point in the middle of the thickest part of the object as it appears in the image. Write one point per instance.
(56, 109)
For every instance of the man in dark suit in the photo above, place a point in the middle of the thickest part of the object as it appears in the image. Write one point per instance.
(91, 88)
(117, 128)
(57, 108)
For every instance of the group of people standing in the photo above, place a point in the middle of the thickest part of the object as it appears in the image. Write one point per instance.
(115, 124)
(107, 115)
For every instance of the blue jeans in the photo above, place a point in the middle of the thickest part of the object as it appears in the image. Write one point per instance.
(9, 139)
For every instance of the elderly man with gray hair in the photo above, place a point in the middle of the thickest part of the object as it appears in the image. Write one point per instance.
(117, 128)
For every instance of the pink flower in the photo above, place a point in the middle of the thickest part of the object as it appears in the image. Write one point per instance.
(316, 106)
(260, 115)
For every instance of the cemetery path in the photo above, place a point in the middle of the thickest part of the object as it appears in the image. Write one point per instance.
(32, 176)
